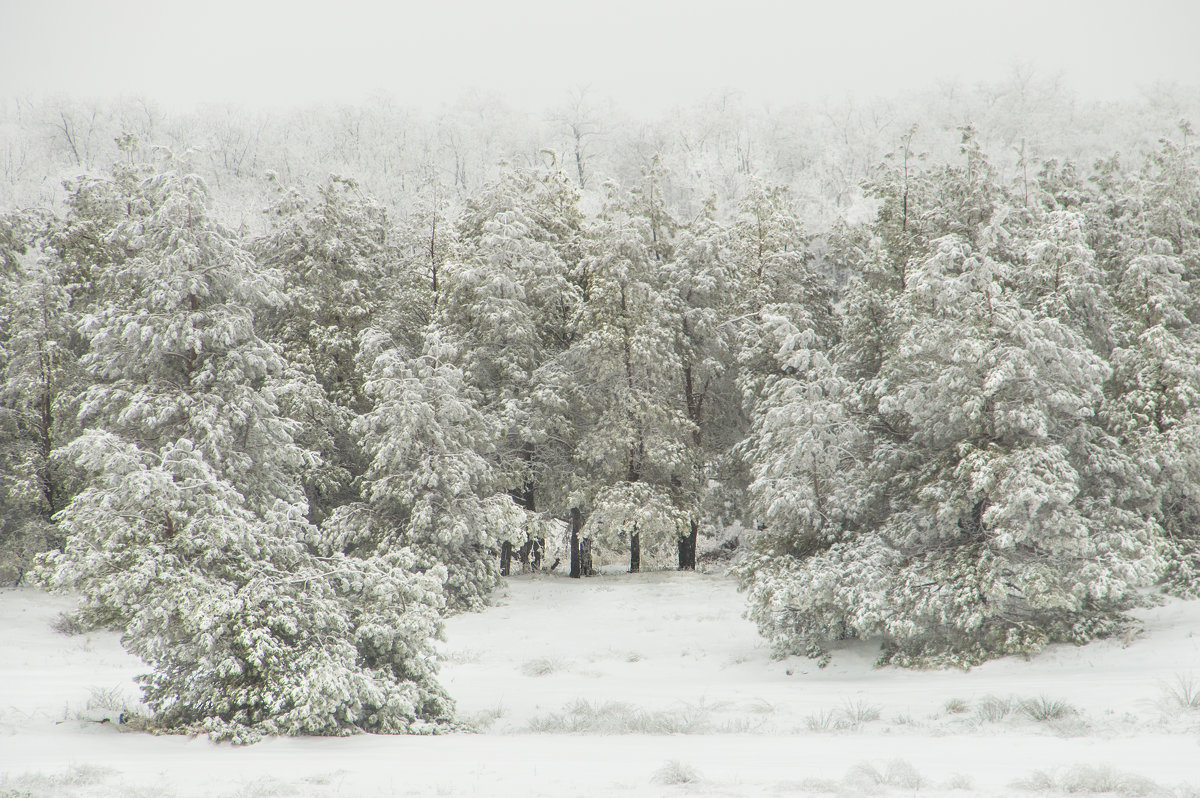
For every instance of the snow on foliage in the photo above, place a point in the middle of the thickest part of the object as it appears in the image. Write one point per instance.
(191, 532)
(964, 498)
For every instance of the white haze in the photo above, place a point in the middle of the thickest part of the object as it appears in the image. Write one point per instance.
(645, 54)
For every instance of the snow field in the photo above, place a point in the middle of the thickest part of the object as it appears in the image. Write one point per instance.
(644, 685)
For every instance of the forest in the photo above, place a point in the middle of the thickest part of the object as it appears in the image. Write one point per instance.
(282, 390)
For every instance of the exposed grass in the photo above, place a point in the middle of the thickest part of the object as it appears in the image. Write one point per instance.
(993, 709)
(485, 719)
(1043, 709)
(36, 785)
(1091, 780)
(822, 721)
(542, 666)
(956, 706)
(462, 656)
(856, 713)
(264, 787)
(69, 624)
(675, 772)
(868, 779)
(1182, 694)
(742, 726)
(851, 716)
(614, 717)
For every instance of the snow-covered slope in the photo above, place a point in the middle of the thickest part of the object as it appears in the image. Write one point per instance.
(648, 684)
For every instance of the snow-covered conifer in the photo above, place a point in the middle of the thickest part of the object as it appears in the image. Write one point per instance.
(979, 507)
(191, 532)
(430, 485)
(39, 380)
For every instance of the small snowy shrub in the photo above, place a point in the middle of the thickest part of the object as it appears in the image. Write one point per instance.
(69, 624)
(992, 709)
(675, 772)
(614, 717)
(1182, 693)
(1091, 780)
(486, 718)
(1043, 709)
(898, 773)
(542, 666)
(958, 781)
(333, 652)
(956, 706)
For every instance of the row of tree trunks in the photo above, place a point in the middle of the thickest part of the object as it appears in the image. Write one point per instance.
(529, 555)
(581, 550)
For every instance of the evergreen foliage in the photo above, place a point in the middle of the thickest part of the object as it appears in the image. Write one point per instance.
(191, 532)
(950, 478)
(967, 426)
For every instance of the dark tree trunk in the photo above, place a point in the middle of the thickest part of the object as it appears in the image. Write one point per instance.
(585, 557)
(635, 552)
(505, 558)
(537, 545)
(687, 548)
(576, 554)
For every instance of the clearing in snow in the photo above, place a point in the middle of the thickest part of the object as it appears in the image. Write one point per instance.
(643, 685)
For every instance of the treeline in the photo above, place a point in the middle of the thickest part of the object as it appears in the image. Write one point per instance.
(276, 455)
(275, 460)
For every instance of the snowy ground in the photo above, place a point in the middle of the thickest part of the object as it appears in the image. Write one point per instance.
(642, 685)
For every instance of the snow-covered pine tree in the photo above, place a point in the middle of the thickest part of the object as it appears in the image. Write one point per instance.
(332, 253)
(191, 532)
(631, 425)
(340, 277)
(510, 304)
(39, 379)
(702, 283)
(985, 510)
(425, 238)
(430, 486)
(1151, 222)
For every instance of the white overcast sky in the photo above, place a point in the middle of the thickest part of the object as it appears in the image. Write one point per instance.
(642, 53)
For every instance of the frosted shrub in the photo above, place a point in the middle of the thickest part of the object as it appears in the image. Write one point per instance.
(314, 653)
(247, 633)
(676, 772)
